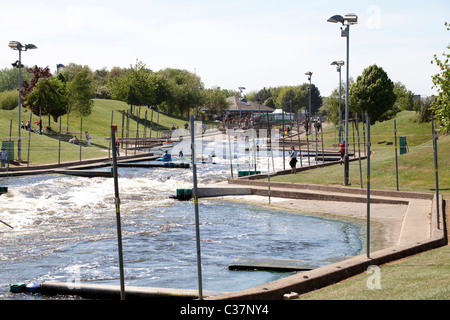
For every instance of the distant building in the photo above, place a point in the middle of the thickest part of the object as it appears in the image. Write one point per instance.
(242, 105)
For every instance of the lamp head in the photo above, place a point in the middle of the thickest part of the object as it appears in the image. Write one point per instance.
(337, 18)
(309, 74)
(351, 18)
(16, 45)
(30, 46)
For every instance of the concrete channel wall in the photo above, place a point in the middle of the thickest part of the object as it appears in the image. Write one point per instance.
(311, 280)
(301, 282)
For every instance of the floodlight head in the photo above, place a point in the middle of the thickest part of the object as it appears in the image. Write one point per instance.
(337, 63)
(30, 46)
(309, 73)
(17, 64)
(351, 18)
(15, 45)
(337, 18)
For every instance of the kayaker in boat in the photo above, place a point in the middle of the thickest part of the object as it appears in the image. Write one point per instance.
(166, 156)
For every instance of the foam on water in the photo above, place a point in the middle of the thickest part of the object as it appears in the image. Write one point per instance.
(65, 229)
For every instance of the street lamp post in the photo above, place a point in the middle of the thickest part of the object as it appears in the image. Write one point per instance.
(59, 66)
(309, 74)
(346, 21)
(338, 65)
(16, 45)
(259, 104)
(240, 107)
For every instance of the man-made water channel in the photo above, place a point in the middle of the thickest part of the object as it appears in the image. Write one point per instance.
(65, 230)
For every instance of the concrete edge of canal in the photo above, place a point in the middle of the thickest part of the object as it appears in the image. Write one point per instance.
(300, 283)
(307, 281)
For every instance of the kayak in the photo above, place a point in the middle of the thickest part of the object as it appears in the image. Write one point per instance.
(33, 287)
(17, 287)
(174, 159)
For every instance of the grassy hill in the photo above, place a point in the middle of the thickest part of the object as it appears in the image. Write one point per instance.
(424, 276)
(416, 167)
(44, 148)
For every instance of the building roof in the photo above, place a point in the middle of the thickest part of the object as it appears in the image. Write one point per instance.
(237, 104)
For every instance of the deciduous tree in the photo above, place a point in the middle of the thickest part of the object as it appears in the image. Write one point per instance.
(373, 92)
(48, 97)
(215, 101)
(79, 94)
(441, 81)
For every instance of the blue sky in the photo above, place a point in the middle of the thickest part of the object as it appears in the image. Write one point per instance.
(229, 44)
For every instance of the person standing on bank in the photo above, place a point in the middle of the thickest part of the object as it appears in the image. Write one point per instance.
(293, 161)
(342, 150)
(3, 156)
(88, 138)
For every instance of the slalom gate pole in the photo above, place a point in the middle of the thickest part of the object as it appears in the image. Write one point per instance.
(197, 224)
(368, 185)
(117, 204)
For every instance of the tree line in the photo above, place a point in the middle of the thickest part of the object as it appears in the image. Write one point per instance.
(71, 90)
(180, 92)
(372, 92)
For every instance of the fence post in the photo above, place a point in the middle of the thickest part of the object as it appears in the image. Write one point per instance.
(368, 185)
(81, 134)
(59, 142)
(436, 174)
(29, 141)
(396, 159)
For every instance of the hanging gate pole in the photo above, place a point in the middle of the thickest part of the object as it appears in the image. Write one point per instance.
(117, 204)
(197, 224)
(268, 178)
(231, 155)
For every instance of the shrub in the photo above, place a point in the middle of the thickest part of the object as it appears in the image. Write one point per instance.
(8, 100)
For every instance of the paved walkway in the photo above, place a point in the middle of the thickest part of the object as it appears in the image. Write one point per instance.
(402, 224)
(397, 220)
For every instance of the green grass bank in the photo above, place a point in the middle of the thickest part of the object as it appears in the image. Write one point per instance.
(43, 149)
(424, 276)
(416, 170)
